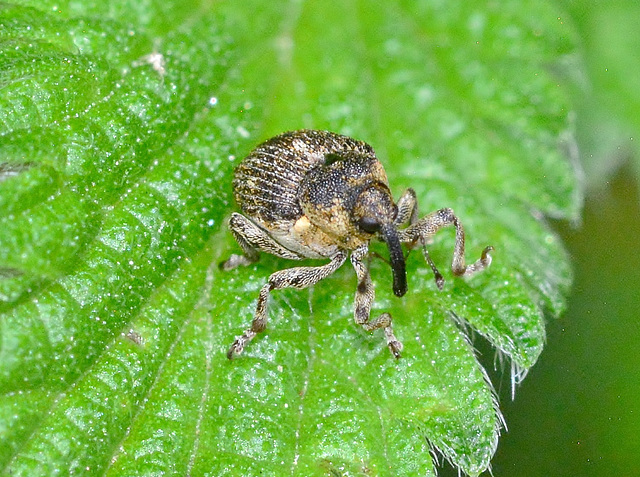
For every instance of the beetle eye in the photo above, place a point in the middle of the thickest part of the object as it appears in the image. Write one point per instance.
(369, 225)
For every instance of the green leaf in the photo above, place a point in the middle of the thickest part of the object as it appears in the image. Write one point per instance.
(120, 124)
(608, 120)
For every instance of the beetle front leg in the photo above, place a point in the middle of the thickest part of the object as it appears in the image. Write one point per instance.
(364, 298)
(429, 226)
(407, 208)
(298, 277)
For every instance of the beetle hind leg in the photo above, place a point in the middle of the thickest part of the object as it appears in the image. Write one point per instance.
(252, 239)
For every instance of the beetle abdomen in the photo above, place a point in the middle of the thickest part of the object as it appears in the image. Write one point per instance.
(266, 183)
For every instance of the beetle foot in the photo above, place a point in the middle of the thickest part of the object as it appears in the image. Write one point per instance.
(235, 261)
(485, 258)
(238, 345)
(394, 345)
(483, 262)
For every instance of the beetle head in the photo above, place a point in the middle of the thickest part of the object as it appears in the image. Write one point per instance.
(375, 213)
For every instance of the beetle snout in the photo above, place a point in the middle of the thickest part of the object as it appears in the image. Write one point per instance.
(396, 257)
(375, 212)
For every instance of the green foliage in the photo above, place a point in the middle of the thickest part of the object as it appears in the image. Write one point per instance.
(120, 125)
(608, 87)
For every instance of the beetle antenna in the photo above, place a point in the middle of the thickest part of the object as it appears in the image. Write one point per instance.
(390, 236)
(436, 273)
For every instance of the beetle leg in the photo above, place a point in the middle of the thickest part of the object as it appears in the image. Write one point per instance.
(252, 238)
(426, 227)
(407, 208)
(298, 277)
(408, 211)
(364, 298)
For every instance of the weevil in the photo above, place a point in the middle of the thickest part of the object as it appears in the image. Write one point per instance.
(320, 195)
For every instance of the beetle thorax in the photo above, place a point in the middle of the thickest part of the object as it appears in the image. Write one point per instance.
(335, 195)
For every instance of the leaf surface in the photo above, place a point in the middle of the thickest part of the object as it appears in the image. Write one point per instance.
(120, 127)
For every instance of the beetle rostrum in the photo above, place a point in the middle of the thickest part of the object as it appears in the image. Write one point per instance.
(317, 194)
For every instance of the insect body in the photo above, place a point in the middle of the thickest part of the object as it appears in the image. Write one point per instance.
(316, 194)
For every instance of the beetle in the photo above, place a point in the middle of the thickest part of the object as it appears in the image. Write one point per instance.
(317, 194)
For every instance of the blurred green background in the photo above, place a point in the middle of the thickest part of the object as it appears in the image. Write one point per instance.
(578, 411)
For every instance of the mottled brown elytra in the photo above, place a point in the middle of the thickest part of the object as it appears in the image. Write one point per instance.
(317, 194)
